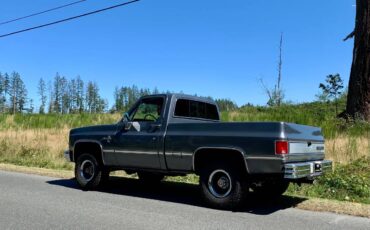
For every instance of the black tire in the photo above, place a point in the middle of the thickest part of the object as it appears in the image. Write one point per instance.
(151, 178)
(271, 189)
(104, 177)
(89, 174)
(223, 186)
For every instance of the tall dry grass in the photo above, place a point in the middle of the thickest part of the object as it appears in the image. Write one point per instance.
(34, 147)
(344, 148)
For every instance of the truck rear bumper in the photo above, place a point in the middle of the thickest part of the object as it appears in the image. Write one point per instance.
(307, 169)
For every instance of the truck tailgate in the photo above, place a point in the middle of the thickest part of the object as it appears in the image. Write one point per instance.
(306, 143)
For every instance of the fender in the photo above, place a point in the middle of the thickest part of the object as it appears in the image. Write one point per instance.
(235, 149)
(88, 141)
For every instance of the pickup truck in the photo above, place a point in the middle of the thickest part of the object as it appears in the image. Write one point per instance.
(176, 134)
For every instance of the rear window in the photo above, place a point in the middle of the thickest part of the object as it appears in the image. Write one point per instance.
(196, 109)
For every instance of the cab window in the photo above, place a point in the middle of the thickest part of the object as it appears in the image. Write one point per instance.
(149, 109)
(196, 109)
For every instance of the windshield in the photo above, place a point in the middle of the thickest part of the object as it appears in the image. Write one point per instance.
(149, 109)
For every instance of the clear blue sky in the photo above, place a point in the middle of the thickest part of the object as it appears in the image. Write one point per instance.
(210, 48)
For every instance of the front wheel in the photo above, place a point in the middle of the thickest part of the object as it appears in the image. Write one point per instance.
(223, 186)
(89, 174)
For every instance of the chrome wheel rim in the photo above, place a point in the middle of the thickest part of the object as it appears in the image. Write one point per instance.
(87, 170)
(219, 183)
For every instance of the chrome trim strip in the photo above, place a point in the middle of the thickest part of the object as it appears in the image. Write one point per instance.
(222, 148)
(135, 152)
(263, 158)
(108, 151)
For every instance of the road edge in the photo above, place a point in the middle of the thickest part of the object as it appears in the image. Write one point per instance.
(311, 204)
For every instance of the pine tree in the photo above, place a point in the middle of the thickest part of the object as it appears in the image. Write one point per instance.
(17, 93)
(42, 93)
(57, 97)
(72, 88)
(2, 93)
(80, 94)
(65, 96)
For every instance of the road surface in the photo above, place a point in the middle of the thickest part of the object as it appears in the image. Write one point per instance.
(37, 202)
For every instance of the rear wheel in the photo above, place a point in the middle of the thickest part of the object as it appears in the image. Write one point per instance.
(89, 174)
(223, 186)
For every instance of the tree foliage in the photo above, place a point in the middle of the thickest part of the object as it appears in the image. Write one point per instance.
(332, 89)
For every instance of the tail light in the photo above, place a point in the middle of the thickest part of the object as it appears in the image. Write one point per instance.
(281, 147)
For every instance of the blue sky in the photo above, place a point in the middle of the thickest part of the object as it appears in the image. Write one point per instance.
(210, 48)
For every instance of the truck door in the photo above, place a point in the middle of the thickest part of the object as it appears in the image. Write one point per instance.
(140, 144)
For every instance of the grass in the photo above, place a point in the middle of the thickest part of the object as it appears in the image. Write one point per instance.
(39, 141)
(349, 182)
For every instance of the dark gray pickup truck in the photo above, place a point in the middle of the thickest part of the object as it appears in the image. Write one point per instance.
(176, 134)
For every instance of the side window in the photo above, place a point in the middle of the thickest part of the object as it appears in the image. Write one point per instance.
(196, 109)
(148, 110)
(182, 108)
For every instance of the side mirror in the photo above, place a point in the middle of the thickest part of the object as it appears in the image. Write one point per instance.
(128, 126)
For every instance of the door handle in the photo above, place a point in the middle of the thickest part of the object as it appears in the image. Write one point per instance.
(154, 127)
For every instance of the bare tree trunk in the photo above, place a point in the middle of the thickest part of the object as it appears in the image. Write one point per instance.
(358, 101)
(280, 64)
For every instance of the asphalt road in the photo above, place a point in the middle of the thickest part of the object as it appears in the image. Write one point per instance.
(36, 202)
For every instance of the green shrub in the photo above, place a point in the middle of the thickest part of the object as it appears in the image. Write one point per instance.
(349, 182)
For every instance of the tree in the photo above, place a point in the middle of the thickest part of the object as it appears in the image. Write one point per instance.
(17, 93)
(65, 99)
(51, 102)
(42, 93)
(2, 93)
(358, 100)
(333, 88)
(72, 89)
(57, 97)
(226, 104)
(95, 104)
(276, 94)
(80, 94)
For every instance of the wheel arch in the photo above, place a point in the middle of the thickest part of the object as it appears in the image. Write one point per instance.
(233, 152)
(88, 146)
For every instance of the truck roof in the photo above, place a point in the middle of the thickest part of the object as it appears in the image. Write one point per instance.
(184, 96)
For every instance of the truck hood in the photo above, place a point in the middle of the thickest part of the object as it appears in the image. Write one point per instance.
(94, 129)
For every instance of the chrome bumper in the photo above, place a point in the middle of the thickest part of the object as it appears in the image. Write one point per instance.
(67, 155)
(307, 169)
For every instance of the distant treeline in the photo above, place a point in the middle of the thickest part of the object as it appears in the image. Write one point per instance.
(69, 96)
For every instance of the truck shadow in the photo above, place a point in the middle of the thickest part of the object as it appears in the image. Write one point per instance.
(181, 193)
